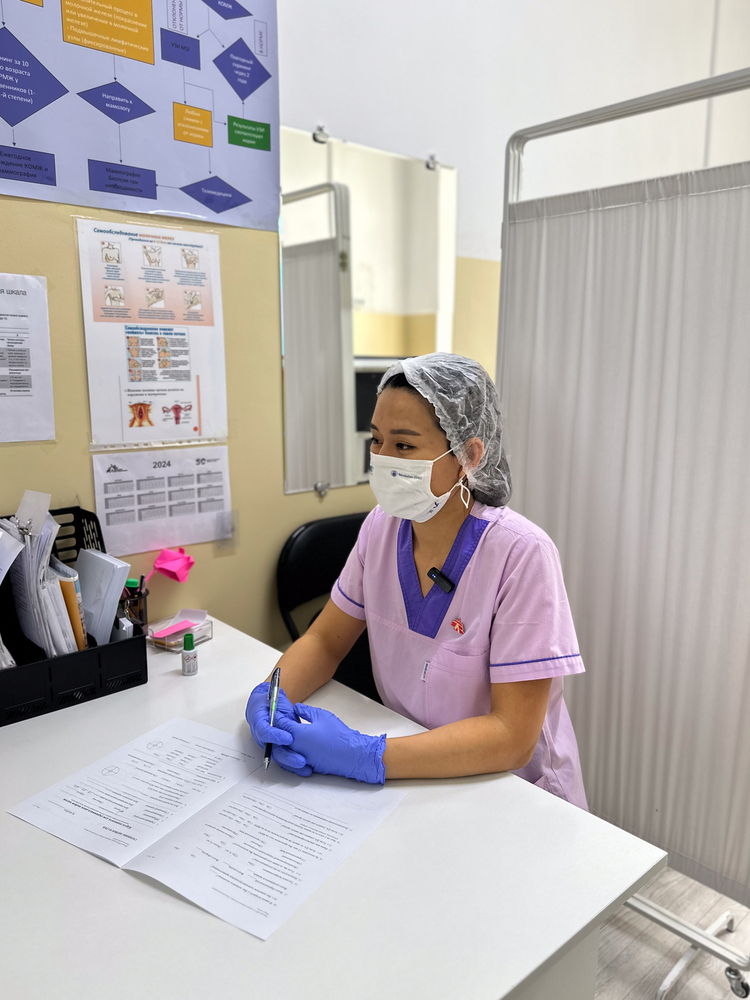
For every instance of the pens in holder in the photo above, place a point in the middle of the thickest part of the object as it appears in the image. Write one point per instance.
(133, 602)
(273, 697)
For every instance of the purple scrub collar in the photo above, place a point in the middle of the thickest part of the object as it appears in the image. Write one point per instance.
(425, 614)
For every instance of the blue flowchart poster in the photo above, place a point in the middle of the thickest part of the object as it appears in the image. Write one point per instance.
(160, 106)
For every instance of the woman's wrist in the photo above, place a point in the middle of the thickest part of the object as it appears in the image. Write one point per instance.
(375, 768)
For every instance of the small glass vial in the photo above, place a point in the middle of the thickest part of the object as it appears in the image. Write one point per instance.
(189, 656)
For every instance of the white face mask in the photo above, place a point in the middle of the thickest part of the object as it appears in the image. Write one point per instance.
(402, 487)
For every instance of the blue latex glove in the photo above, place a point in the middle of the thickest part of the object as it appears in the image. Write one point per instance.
(329, 746)
(256, 713)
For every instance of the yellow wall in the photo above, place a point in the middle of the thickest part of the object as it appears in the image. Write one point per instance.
(476, 310)
(392, 336)
(233, 579)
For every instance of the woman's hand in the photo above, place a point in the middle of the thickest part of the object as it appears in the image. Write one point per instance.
(258, 718)
(329, 746)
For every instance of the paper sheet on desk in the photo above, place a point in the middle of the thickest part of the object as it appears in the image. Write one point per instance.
(193, 808)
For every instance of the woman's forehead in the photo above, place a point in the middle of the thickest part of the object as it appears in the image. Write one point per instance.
(402, 408)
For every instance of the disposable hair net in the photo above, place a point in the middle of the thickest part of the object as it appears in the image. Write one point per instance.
(466, 404)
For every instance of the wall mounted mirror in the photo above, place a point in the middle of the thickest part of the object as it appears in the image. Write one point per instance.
(368, 256)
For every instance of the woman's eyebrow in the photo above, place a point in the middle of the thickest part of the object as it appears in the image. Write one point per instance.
(399, 430)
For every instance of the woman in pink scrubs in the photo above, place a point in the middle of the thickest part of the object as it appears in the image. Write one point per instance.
(467, 617)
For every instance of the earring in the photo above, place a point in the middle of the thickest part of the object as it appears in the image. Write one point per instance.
(465, 493)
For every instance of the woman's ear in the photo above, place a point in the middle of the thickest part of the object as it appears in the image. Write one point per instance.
(474, 451)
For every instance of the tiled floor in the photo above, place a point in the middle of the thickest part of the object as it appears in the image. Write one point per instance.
(635, 954)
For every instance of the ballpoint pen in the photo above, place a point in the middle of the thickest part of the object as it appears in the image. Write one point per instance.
(273, 697)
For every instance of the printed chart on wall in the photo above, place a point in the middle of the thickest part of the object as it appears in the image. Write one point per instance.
(158, 106)
(26, 408)
(151, 499)
(154, 334)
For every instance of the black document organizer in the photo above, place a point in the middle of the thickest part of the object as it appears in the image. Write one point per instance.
(38, 685)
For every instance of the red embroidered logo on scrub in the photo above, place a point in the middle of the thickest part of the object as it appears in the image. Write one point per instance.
(458, 626)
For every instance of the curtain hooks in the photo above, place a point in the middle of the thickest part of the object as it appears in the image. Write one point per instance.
(431, 162)
(320, 135)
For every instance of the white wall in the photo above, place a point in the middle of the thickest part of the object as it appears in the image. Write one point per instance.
(395, 205)
(422, 76)
(304, 164)
(728, 128)
(376, 183)
(420, 226)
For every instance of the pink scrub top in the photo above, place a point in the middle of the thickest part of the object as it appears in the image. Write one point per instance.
(507, 619)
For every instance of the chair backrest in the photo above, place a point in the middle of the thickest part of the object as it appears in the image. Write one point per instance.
(312, 558)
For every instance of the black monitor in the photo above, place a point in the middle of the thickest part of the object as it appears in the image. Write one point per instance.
(365, 393)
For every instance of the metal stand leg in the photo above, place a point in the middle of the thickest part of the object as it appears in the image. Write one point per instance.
(724, 923)
(697, 938)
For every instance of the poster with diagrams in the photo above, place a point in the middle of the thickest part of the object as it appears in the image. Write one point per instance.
(154, 334)
(158, 106)
(26, 407)
(149, 500)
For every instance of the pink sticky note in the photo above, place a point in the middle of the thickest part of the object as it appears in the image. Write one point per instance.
(173, 563)
(177, 627)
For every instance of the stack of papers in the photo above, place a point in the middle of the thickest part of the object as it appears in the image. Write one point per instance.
(9, 549)
(56, 604)
(40, 606)
(102, 580)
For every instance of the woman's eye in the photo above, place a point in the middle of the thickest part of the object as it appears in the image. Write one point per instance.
(374, 443)
(404, 447)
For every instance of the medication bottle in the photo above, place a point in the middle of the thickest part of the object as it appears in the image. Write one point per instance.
(189, 656)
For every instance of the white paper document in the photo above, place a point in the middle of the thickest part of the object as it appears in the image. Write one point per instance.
(193, 808)
(26, 406)
(101, 580)
(156, 499)
(9, 549)
(154, 333)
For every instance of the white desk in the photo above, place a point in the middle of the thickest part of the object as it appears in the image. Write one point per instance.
(473, 889)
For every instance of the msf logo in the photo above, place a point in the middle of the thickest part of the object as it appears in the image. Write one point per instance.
(115, 468)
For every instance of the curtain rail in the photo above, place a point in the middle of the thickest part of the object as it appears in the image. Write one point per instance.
(714, 86)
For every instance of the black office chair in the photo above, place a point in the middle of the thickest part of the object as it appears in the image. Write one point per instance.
(311, 560)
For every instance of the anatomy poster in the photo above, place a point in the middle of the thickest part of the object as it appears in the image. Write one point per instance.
(156, 499)
(158, 106)
(154, 334)
(26, 407)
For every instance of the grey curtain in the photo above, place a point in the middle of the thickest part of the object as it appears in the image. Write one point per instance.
(318, 376)
(624, 369)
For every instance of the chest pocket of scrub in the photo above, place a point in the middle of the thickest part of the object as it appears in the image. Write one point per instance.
(456, 686)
